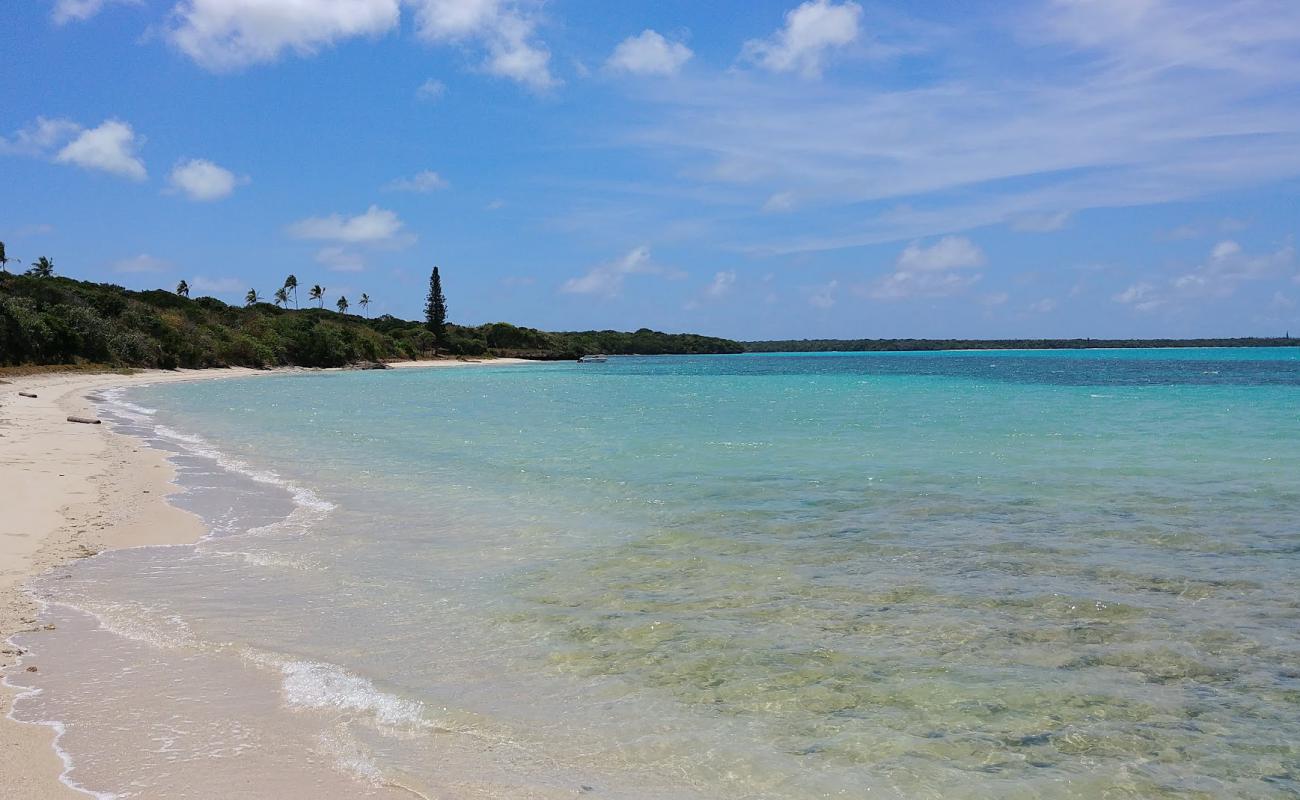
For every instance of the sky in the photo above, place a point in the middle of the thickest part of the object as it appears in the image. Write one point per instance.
(746, 168)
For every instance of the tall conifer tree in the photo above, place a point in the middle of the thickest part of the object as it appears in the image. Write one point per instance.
(435, 308)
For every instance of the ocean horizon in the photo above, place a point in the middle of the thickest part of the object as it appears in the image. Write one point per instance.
(966, 574)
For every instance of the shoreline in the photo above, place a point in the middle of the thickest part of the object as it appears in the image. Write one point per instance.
(79, 490)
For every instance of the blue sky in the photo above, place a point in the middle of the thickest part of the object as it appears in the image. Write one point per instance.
(750, 169)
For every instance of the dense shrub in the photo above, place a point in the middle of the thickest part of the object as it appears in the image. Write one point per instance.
(63, 321)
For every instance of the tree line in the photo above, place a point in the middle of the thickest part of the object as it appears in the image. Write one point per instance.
(50, 319)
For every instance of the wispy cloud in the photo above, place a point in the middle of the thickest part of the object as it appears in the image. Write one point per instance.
(205, 285)
(338, 259)
(431, 90)
(422, 182)
(142, 263)
(66, 11)
(1227, 267)
(933, 271)
(1206, 107)
(823, 295)
(606, 280)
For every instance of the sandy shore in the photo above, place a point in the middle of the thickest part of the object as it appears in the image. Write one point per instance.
(71, 491)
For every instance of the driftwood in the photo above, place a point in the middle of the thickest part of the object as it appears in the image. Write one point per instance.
(26, 394)
(84, 420)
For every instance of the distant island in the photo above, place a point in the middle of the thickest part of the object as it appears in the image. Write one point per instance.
(900, 345)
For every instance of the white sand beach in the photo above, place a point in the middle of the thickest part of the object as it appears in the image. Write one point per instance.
(72, 490)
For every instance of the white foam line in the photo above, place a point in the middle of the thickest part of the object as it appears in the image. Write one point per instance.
(25, 692)
(321, 686)
(309, 506)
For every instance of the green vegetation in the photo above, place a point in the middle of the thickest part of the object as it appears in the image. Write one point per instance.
(435, 308)
(884, 345)
(46, 319)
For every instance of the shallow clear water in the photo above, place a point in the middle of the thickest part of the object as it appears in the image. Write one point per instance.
(950, 575)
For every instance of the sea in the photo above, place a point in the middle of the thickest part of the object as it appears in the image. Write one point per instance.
(1011, 574)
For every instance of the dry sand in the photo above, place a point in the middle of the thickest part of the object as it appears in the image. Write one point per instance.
(68, 491)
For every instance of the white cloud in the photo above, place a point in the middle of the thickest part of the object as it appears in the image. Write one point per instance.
(80, 10)
(224, 35)
(337, 259)
(1142, 296)
(823, 296)
(722, 284)
(810, 31)
(431, 90)
(1227, 267)
(110, 148)
(1043, 306)
(607, 279)
(426, 181)
(142, 263)
(501, 27)
(40, 137)
(649, 53)
(950, 252)
(375, 226)
(930, 271)
(202, 180)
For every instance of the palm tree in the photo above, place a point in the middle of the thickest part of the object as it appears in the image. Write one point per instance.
(251, 297)
(4, 260)
(281, 297)
(317, 293)
(342, 305)
(364, 302)
(291, 285)
(42, 268)
(183, 289)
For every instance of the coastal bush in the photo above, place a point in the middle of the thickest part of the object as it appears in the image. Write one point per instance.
(58, 320)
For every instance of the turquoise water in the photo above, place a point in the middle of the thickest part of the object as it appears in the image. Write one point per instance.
(950, 575)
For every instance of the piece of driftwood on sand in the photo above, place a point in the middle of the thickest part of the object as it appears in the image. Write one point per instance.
(84, 420)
